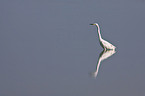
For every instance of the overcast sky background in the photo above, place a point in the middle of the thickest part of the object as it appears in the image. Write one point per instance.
(48, 47)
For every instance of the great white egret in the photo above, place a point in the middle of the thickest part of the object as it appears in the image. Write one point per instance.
(103, 55)
(105, 44)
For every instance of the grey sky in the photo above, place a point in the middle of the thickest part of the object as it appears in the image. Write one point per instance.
(49, 49)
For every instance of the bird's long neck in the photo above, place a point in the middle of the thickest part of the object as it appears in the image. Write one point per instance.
(99, 34)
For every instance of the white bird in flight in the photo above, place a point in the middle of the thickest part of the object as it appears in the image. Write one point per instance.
(105, 44)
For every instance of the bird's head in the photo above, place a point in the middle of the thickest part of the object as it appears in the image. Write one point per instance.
(95, 24)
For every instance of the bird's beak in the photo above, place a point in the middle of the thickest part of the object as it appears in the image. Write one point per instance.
(92, 24)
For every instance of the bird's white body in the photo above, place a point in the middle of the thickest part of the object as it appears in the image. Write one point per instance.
(105, 44)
